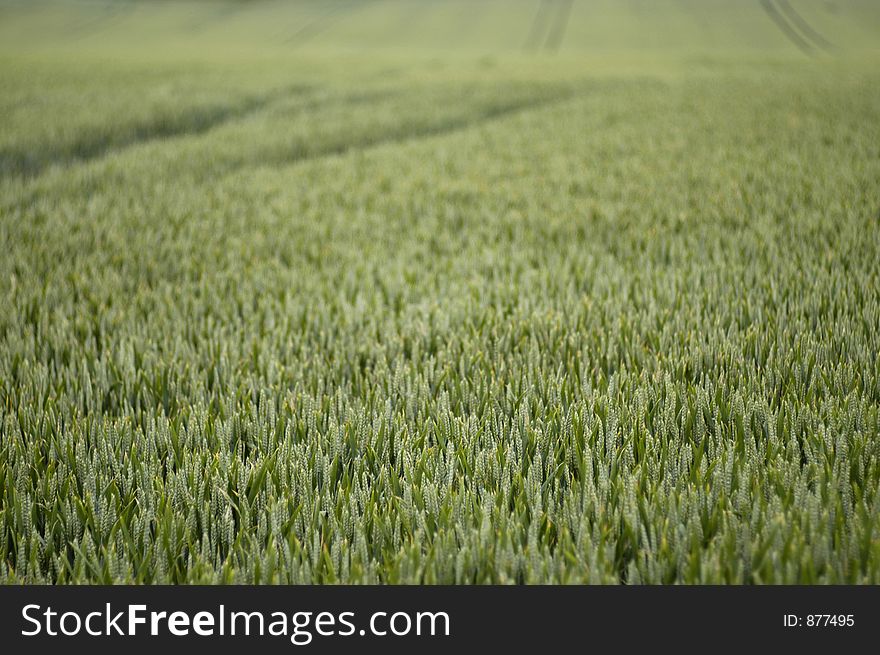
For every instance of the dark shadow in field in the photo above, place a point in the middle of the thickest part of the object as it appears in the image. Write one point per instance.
(29, 162)
(407, 130)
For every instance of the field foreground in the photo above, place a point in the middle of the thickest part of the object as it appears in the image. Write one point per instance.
(439, 292)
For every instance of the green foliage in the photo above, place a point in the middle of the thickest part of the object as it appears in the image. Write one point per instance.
(485, 322)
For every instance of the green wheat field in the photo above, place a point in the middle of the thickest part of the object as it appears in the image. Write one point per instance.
(440, 292)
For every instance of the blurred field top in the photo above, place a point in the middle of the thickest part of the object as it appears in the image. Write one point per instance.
(467, 26)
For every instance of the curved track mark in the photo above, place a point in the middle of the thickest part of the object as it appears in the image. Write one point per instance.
(557, 30)
(787, 29)
(805, 28)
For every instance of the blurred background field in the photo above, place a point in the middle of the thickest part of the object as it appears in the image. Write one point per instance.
(80, 77)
